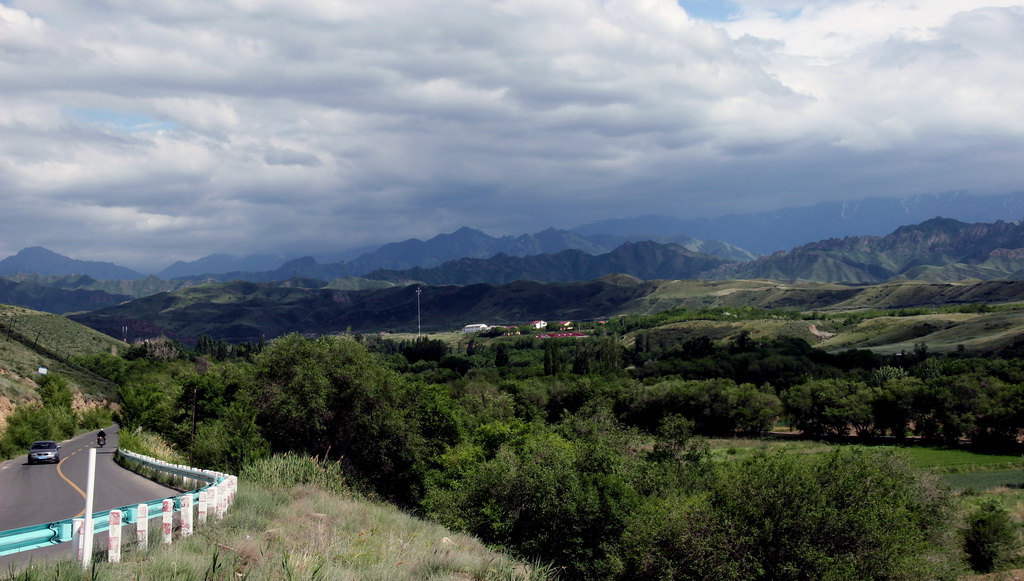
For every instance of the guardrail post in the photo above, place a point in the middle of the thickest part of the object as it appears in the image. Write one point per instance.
(66, 532)
(225, 498)
(114, 537)
(77, 537)
(186, 515)
(222, 496)
(203, 506)
(168, 519)
(142, 527)
(214, 502)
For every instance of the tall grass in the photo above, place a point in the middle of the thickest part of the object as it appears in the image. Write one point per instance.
(289, 470)
(148, 444)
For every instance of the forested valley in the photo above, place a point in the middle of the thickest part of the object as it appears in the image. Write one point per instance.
(594, 454)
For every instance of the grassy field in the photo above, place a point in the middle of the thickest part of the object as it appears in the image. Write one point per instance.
(961, 469)
(942, 333)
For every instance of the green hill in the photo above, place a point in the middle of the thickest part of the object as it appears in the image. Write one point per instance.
(242, 311)
(32, 339)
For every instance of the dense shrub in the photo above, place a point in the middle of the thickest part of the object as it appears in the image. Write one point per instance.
(845, 515)
(991, 536)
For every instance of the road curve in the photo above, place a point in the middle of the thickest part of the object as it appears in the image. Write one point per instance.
(42, 493)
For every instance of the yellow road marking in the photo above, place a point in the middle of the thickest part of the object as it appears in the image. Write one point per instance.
(66, 479)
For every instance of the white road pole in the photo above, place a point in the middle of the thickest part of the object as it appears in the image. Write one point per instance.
(89, 496)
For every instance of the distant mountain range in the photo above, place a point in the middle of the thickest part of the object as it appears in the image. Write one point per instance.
(38, 260)
(939, 249)
(916, 263)
(644, 260)
(738, 237)
(464, 243)
(768, 232)
(474, 244)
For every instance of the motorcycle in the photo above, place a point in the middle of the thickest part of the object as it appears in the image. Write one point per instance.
(101, 441)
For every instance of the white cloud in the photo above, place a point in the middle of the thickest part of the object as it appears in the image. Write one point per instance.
(249, 126)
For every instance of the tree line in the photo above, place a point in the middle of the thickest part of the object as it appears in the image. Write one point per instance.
(591, 453)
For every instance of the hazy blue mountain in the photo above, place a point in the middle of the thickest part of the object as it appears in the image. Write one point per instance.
(221, 263)
(39, 260)
(466, 243)
(712, 247)
(643, 260)
(768, 232)
(473, 244)
(302, 268)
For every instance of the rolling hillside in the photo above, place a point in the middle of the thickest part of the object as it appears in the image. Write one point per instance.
(31, 339)
(241, 311)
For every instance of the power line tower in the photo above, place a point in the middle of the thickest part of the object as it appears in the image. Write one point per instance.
(419, 327)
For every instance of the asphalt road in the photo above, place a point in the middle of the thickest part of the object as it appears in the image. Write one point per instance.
(43, 493)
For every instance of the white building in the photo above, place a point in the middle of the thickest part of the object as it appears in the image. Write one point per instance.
(475, 328)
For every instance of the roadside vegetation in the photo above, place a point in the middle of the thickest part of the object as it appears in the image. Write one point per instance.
(51, 418)
(647, 449)
(297, 518)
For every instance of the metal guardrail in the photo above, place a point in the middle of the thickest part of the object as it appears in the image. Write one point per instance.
(54, 533)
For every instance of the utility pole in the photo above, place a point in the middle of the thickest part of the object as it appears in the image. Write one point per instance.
(419, 327)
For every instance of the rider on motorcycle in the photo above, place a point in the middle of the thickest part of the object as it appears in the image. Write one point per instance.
(101, 437)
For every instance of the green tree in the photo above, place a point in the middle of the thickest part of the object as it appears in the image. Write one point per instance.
(55, 391)
(231, 441)
(546, 496)
(821, 407)
(329, 397)
(502, 355)
(554, 357)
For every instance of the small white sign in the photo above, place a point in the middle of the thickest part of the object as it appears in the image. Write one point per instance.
(42, 371)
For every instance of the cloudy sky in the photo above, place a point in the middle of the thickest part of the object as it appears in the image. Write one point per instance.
(148, 132)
